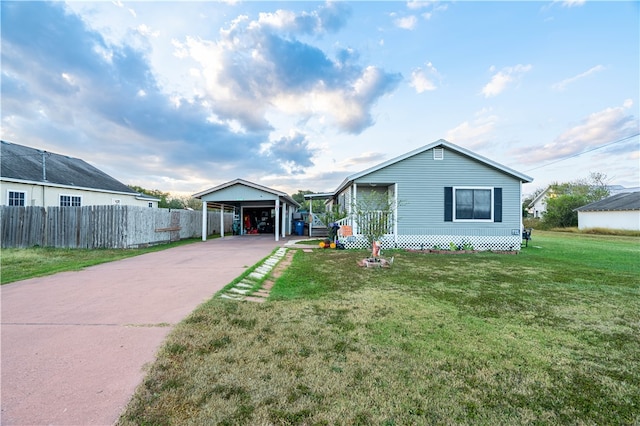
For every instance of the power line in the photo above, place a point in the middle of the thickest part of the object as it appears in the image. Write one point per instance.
(584, 152)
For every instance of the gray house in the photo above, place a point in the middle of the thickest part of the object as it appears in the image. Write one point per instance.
(441, 193)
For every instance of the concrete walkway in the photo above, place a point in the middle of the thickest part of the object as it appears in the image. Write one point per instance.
(74, 345)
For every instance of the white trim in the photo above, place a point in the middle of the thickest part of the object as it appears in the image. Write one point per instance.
(276, 220)
(9, 191)
(445, 144)
(56, 185)
(455, 188)
(204, 221)
(70, 200)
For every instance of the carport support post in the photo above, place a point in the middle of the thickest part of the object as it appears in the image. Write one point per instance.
(204, 221)
(221, 220)
(277, 220)
(284, 218)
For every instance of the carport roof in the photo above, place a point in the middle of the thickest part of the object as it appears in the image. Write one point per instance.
(282, 195)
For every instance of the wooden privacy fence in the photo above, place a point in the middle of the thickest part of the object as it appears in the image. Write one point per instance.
(102, 226)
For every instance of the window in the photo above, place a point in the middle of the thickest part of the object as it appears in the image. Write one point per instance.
(438, 153)
(472, 204)
(467, 204)
(150, 205)
(70, 201)
(16, 198)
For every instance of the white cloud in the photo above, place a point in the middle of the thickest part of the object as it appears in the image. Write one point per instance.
(475, 133)
(572, 3)
(596, 129)
(146, 31)
(422, 79)
(407, 23)
(502, 79)
(562, 85)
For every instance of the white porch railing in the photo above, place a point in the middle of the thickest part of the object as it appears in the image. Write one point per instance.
(372, 222)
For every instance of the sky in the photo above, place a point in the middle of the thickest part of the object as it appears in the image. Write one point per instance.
(296, 95)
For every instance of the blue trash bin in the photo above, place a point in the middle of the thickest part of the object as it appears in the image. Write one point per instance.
(299, 227)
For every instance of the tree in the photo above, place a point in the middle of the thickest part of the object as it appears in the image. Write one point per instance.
(318, 205)
(166, 200)
(564, 198)
(374, 214)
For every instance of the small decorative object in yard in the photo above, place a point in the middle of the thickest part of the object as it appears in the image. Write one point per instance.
(375, 261)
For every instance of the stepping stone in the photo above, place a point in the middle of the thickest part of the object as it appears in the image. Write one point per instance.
(244, 285)
(307, 250)
(256, 275)
(226, 296)
(237, 290)
(268, 285)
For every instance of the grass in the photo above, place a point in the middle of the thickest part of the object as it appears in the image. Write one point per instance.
(550, 336)
(22, 263)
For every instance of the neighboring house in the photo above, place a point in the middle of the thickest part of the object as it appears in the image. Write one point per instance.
(619, 211)
(538, 206)
(442, 194)
(33, 177)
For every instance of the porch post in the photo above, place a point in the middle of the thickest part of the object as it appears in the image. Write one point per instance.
(311, 216)
(221, 220)
(354, 201)
(395, 214)
(204, 221)
(277, 230)
(241, 220)
(284, 219)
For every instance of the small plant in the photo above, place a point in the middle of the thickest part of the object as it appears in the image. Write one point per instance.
(453, 246)
(467, 246)
(437, 247)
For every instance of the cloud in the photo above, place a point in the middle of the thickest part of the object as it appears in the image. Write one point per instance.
(476, 133)
(291, 152)
(595, 130)
(67, 92)
(364, 158)
(562, 85)
(253, 68)
(571, 3)
(503, 79)
(329, 17)
(407, 22)
(67, 89)
(422, 79)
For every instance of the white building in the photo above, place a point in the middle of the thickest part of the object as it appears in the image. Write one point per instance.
(33, 177)
(620, 211)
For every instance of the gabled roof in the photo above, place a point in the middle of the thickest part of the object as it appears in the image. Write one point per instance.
(618, 202)
(22, 163)
(539, 196)
(439, 143)
(250, 185)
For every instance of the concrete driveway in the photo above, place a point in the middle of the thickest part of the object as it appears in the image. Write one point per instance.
(74, 345)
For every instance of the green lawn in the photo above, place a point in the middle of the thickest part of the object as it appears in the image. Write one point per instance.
(22, 263)
(549, 336)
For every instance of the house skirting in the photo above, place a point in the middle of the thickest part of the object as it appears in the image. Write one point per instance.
(438, 241)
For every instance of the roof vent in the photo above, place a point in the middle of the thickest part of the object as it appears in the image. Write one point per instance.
(438, 153)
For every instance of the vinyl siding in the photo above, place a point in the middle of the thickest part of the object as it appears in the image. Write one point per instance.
(239, 192)
(421, 180)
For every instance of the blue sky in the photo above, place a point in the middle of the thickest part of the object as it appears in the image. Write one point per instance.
(183, 96)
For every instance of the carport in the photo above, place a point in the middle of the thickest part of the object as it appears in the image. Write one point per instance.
(256, 208)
